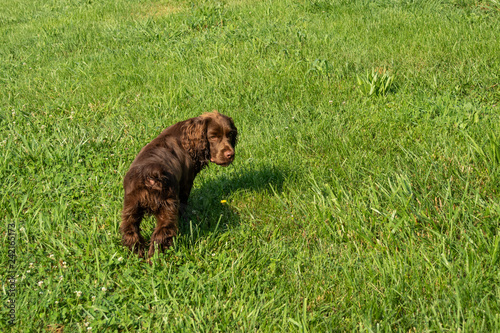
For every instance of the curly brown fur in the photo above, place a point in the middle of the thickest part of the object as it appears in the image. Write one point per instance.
(161, 176)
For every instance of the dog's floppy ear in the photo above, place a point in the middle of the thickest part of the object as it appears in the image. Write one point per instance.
(194, 139)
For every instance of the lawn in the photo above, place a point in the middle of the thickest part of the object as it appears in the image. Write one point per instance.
(365, 191)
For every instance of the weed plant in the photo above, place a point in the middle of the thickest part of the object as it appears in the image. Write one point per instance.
(341, 212)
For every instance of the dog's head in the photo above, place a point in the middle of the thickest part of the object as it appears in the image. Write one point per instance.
(222, 137)
(210, 137)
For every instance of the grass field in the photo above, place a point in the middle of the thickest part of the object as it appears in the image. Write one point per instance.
(365, 191)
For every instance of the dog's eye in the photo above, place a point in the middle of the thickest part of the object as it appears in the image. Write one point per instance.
(213, 137)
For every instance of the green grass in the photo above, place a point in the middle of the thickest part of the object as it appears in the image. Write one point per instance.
(346, 211)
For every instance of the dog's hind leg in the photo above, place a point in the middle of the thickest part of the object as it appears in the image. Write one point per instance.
(166, 226)
(132, 215)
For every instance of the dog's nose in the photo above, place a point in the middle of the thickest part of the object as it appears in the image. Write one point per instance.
(229, 154)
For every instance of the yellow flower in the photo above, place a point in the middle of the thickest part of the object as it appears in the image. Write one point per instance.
(223, 201)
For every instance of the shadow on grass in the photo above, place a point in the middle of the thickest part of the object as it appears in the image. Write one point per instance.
(206, 215)
(205, 209)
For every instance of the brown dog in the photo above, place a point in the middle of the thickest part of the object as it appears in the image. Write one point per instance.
(161, 176)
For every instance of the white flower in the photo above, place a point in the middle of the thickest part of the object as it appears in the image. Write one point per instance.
(31, 265)
(120, 259)
(51, 256)
(104, 289)
(40, 283)
(78, 293)
(93, 298)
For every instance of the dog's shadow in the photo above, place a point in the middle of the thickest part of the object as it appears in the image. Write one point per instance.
(208, 212)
